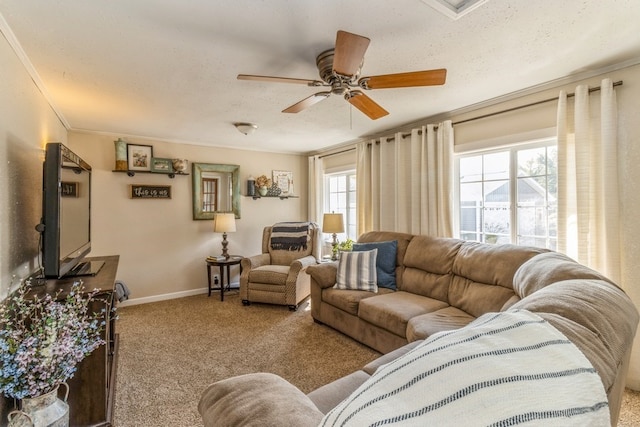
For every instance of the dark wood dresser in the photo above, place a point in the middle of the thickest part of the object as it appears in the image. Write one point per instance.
(92, 388)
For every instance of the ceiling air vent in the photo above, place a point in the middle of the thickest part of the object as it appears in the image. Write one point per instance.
(454, 9)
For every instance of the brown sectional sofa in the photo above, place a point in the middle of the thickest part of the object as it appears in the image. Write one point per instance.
(444, 284)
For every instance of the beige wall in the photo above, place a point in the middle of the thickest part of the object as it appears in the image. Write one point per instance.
(27, 122)
(162, 249)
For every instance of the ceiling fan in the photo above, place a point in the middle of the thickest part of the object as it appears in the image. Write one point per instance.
(339, 70)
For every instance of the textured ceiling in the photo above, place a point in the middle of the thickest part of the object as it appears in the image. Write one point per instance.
(167, 69)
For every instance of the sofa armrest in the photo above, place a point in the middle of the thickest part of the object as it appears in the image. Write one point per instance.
(255, 261)
(324, 274)
(303, 262)
(298, 267)
(259, 399)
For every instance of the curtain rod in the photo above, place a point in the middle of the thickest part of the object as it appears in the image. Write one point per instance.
(508, 110)
(337, 152)
(484, 116)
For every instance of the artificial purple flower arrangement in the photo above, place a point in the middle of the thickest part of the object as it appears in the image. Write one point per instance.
(42, 340)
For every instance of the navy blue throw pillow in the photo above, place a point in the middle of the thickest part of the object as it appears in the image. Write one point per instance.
(385, 261)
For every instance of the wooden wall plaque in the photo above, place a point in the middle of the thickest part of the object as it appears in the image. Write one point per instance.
(149, 191)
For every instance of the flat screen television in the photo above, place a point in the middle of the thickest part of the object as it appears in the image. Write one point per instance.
(66, 214)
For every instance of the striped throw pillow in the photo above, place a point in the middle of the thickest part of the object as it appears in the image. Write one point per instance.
(357, 271)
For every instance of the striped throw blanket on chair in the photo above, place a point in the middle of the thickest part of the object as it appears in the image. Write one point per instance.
(504, 369)
(290, 236)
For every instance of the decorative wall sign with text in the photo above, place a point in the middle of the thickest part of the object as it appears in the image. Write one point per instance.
(149, 191)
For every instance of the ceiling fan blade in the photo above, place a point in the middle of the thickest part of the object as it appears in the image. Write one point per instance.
(365, 104)
(349, 53)
(412, 79)
(280, 80)
(307, 102)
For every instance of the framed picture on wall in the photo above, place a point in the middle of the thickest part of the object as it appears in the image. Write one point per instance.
(283, 180)
(161, 165)
(139, 157)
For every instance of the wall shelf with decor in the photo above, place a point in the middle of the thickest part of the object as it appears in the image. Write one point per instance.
(169, 174)
(281, 197)
(137, 158)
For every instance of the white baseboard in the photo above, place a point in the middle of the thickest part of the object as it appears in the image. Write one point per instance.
(164, 297)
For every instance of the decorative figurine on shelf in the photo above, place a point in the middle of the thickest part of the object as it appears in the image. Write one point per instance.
(180, 165)
(263, 183)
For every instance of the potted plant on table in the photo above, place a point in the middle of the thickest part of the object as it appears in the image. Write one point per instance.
(41, 342)
(346, 245)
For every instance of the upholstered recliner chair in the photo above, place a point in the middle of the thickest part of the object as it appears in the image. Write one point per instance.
(277, 275)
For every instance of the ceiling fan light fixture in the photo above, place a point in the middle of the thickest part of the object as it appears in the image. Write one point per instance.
(340, 68)
(246, 128)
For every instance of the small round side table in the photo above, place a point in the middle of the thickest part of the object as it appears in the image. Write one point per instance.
(222, 264)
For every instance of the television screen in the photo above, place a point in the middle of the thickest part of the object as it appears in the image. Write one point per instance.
(66, 224)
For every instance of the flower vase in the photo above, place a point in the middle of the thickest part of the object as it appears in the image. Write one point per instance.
(263, 191)
(42, 411)
(121, 155)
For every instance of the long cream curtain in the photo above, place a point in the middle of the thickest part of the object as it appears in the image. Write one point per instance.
(588, 182)
(405, 184)
(316, 189)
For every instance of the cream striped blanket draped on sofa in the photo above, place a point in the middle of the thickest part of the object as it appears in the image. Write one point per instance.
(512, 368)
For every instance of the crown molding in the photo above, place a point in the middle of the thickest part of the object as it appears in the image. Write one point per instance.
(35, 77)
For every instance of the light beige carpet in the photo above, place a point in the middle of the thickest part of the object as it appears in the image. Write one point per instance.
(171, 350)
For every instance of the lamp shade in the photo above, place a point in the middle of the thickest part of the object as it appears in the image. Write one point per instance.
(332, 223)
(224, 222)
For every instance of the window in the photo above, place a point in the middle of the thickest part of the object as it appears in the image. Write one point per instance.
(209, 194)
(509, 195)
(340, 197)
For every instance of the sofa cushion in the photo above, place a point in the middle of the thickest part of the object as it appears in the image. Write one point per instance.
(329, 395)
(348, 300)
(403, 240)
(385, 261)
(428, 265)
(484, 275)
(357, 270)
(270, 274)
(484, 374)
(373, 366)
(477, 298)
(445, 319)
(492, 264)
(392, 311)
(259, 399)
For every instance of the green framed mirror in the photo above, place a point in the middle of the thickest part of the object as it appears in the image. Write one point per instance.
(216, 188)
